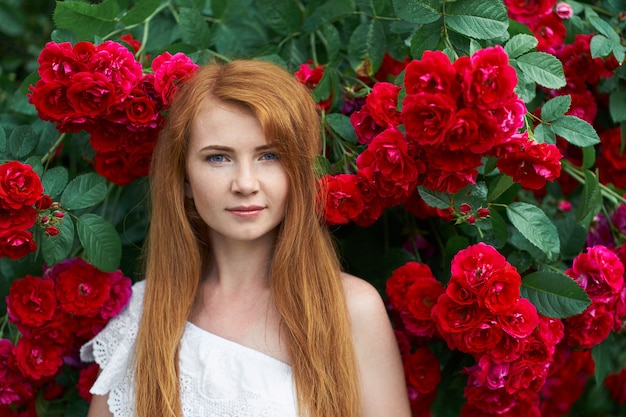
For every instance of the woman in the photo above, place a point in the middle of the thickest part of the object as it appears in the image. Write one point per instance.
(244, 310)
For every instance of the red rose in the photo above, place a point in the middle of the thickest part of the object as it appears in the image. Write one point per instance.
(477, 265)
(134, 43)
(373, 205)
(434, 74)
(50, 100)
(463, 133)
(427, 117)
(382, 103)
(38, 358)
(508, 349)
(81, 288)
(611, 163)
(86, 378)
(589, 328)
(451, 317)
(140, 109)
(119, 67)
(520, 320)
(31, 300)
(17, 220)
(489, 374)
(549, 31)
(84, 52)
(57, 62)
(169, 70)
(121, 290)
(528, 11)
(388, 167)
(578, 65)
(599, 272)
(422, 370)
(14, 388)
(484, 336)
(16, 244)
(491, 80)
(423, 294)
(19, 185)
(530, 163)
(365, 126)
(309, 74)
(114, 166)
(91, 94)
(61, 329)
(502, 290)
(341, 198)
(616, 385)
(402, 279)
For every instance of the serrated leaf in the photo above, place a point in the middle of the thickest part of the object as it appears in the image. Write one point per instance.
(322, 166)
(571, 235)
(520, 44)
(22, 141)
(418, 11)
(535, 226)
(426, 38)
(589, 157)
(554, 294)
(576, 131)
(434, 198)
(283, 16)
(555, 108)
(327, 12)
(617, 105)
(600, 46)
(367, 47)
(604, 28)
(140, 12)
(324, 87)
(341, 124)
(57, 248)
(590, 199)
(332, 41)
(54, 181)
(195, 30)
(100, 240)
(86, 20)
(526, 88)
(479, 19)
(544, 69)
(543, 133)
(84, 191)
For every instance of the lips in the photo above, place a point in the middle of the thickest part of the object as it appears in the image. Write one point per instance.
(246, 211)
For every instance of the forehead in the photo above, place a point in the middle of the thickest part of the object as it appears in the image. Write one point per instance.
(223, 123)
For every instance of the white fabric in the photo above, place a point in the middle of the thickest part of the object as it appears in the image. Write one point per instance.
(218, 377)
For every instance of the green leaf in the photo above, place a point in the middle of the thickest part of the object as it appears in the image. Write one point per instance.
(576, 131)
(535, 226)
(617, 105)
(341, 124)
(590, 200)
(479, 19)
(555, 108)
(604, 28)
(332, 41)
(589, 157)
(367, 47)
(543, 133)
(22, 142)
(426, 38)
(526, 88)
(544, 69)
(84, 191)
(86, 20)
(140, 12)
(195, 30)
(418, 11)
(498, 187)
(554, 294)
(324, 88)
(322, 166)
(224, 10)
(283, 16)
(600, 46)
(57, 248)
(434, 198)
(100, 240)
(520, 44)
(571, 235)
(327, 12)
(54, 181)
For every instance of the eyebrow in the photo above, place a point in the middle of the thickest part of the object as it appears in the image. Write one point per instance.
(229, 149)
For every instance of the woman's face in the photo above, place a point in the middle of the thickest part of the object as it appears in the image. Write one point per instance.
(238, 184)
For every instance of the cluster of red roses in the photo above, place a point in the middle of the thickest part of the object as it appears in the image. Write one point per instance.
(55, 315)
(453, 115)
(102, 89)
(523, 360)
(544, 18)
(22, 205)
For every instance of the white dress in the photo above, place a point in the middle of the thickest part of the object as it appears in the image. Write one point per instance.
(218, 377)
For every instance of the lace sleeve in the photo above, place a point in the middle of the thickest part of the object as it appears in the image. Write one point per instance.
(112, 348)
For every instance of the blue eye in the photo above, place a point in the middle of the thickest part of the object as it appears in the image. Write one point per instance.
(216, 158)
(269, 156)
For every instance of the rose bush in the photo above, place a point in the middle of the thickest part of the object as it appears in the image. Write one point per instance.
(472, 170)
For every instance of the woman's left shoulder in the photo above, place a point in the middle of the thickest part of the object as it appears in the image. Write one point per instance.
(363, 301)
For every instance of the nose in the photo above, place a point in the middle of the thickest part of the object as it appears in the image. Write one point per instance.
(246, 180)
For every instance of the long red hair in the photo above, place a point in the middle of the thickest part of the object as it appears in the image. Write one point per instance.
(305, 280)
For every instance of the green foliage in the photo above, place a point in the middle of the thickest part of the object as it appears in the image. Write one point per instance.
(554, 294)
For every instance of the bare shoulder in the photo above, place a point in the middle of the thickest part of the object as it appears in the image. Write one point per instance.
(383, 389)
